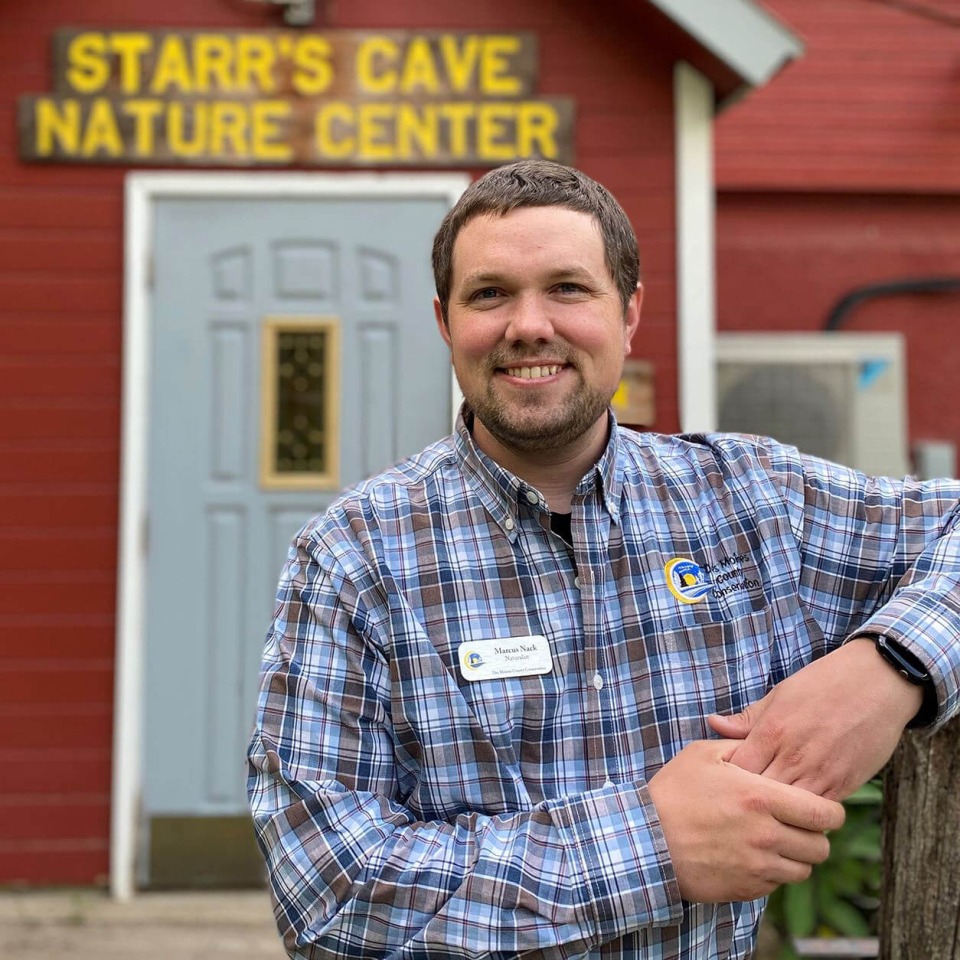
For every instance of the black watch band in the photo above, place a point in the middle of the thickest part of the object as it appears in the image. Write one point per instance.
(904, 662)
(913, 671)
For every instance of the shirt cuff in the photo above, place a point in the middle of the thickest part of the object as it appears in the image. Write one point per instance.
(921, 626)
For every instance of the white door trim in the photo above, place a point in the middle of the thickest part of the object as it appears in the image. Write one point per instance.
(696, 249)
(141, 191)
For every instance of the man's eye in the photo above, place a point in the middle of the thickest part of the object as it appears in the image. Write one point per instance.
(569, 288)
(487, 293)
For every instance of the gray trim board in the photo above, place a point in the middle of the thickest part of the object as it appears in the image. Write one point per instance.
(740, 33)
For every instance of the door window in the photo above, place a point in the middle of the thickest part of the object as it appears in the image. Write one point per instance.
(300, 403)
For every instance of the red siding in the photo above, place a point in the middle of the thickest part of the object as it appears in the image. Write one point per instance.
(78, 862)
(79, 817)
(61, 268)
(846, 171)
(873, 104)
(785, 259)
(60, 773)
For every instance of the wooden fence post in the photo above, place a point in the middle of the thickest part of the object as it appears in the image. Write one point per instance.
(920, 898)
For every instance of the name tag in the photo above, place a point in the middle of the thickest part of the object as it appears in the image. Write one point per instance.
(513, 657)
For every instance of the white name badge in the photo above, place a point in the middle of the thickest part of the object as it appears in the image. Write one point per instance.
(513, 657)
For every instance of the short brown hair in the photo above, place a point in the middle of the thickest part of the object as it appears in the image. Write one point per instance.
(540, 183)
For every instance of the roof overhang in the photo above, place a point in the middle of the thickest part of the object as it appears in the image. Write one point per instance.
(738, 43)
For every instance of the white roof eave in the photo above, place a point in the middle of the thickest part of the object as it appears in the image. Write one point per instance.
(740, 33)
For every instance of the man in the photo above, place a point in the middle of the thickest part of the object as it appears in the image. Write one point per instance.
(487, 697)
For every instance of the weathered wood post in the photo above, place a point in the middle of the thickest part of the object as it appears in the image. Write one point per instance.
(920, 899)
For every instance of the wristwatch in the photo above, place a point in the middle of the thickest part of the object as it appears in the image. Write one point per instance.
(903, 661)
(912, 670)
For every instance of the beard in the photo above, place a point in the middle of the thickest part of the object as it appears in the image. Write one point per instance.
(532, 427)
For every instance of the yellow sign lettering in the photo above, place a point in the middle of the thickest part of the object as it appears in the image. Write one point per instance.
(272, 97)
(144, 113)
(130, 48)
(419, 69)
(537, 130)
(256, 57)
(333, 131)
(312, 70)
(265, 143)
(458, 117)
(228, 129)
(88, 69)
(495, 78)
(417, 131)
(460, 60)
(58, 126)
(493, 131)
(212, 63)
(173, 68)
(376, 65)
(102, 134)
(373, 133)
(187, 136)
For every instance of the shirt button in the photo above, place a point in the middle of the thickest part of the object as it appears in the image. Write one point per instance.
(576, 582)
(597, 681)
(508, 523)
(532, 496)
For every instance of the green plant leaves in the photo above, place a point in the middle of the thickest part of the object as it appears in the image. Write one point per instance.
(841, 897)
(844, 918)
(799, 909)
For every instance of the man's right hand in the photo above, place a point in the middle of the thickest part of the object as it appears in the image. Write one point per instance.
(734, 835)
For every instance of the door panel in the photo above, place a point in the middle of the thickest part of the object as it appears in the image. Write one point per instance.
(217, 539)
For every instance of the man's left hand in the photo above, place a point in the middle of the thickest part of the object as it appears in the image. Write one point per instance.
(828, 728)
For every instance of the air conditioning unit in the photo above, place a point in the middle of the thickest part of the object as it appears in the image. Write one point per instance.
(840, 396)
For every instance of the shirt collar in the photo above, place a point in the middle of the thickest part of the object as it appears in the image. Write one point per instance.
(501, 492)
(608, 471)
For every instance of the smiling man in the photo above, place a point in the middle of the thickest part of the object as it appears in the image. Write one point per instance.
(538, 331)
(490, 696)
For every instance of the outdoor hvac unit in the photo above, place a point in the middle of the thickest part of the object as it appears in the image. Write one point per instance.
(840, 396)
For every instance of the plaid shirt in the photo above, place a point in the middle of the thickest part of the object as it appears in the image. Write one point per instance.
(407, 811)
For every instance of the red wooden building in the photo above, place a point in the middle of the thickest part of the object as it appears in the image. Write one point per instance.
(844, 175)
(202, 206)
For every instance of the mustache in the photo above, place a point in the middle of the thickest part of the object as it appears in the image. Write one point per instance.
(508, 358)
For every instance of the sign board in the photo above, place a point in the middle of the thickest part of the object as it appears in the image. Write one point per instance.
(288, 98)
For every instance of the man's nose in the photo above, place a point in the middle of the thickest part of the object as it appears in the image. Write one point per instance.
(529, 321)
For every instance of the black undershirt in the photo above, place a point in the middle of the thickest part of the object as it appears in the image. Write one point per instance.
(560, 525)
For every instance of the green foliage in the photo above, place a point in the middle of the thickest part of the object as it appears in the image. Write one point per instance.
(842, 895)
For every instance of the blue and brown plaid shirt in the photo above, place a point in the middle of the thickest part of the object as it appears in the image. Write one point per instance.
(407, 811)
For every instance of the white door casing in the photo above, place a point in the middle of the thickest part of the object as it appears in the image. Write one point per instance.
(143, 193)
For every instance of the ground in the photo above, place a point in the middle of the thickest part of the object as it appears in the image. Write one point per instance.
(87, 925)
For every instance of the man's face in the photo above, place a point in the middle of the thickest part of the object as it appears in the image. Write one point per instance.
(537, 331)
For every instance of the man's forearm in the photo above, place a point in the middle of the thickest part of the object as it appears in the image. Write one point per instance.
(349, 868)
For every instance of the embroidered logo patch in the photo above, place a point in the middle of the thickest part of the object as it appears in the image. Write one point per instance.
(687, 580)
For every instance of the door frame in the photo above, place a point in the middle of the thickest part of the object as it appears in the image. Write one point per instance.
(141, 193)
(694, 113)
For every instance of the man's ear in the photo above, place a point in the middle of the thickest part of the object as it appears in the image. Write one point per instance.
(631, 318)
(442, 325)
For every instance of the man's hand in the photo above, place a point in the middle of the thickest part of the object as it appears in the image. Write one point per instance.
(830, 727)
(733, 835)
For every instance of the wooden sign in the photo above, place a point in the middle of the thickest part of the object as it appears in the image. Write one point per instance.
(284, 98)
